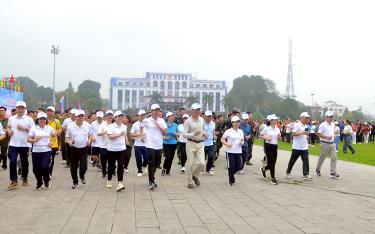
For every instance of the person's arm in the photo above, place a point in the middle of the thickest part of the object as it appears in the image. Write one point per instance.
(54, 137)
(224, 140)
(112, 135)
(31, 138)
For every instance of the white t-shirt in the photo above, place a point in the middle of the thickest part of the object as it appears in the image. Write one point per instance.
(300, 142)
(136, 129)
(79, 135)
(180, 129)
(327, 129)
(19, 138)
(118, 143)
(312, 128)
(1, 130)
(234, 138)
(337, 131)
(103, 128)
(154, 139)
(271, 132)
(289, 128)
(45, 133)
(98, 139)
(67, 122)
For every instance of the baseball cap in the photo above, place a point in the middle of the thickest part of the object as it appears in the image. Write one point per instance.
(329, 113)
(185, 116)
(196, 106)
(155, 106)
(235, 118)
(109, 112)
(73, 111)
(272, 117)
(41, 115)
(304, 114)
(79, 112)
(21, 103)
(169, 114)
(117, 113)
(245, 116)
(208, 113)
(99, 114)
(51, 108)
(141, 112)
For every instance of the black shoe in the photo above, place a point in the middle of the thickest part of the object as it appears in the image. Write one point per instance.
(263, 171)
(93, 164)
(46, 185)
(274, 181)
(38, 186)
(152, 186)
(318, 173)
(83, 181)
(196, 181)
(334, 175)
(104, 176)
(163, 172)
(352, 153)
(75, 186)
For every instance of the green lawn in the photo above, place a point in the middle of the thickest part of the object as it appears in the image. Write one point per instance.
(365, 153)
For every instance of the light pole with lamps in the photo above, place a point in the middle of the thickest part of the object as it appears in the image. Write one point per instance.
(312, 104)
(55, 50)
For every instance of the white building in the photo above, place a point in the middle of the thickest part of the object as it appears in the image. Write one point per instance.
(338, 110)
(175, 88)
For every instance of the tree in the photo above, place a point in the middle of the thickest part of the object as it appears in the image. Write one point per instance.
(192, 99)
(89, 93)
(208, 99)
(156, 97)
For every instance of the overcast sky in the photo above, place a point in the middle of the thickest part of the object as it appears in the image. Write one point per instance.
(333, 54)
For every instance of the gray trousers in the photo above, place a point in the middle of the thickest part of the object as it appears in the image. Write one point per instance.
(327, 150)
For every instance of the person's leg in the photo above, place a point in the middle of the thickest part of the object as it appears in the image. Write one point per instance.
(83, 163)
(151, 164)
(244, 155)
(273, 161)
(268, 152)
(210, 157)
(68, 154)
(167, 153)
(127, 155)
(345, 145)
(293, 158)
(351, 147)
(36, 160)
(333, 159)
(354, 137)
(305, 162)
(190, 153)
(24, 156)
(231, 167)
(120, 157)
(45, 166)
(250, 152)
(12, 156)
(183, 154)
(74, 160)
(324, 150)
(144, 156)
(4, 155)
(53, 154)
(238, 163)
(158, 159)
(111, 164)
(172, 151)
(138, 157)
(104, 160)
(337, 139)
(199, 161)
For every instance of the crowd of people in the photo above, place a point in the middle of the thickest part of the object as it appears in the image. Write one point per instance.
(108, 137)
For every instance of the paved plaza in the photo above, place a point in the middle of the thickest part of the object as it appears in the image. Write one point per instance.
(252, 205)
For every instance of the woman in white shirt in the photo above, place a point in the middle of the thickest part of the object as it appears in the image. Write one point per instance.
(181, 145)
(270, 135)
(116, 150)
(347, 132)
(233, 139)
(102, 132)
(39, 135)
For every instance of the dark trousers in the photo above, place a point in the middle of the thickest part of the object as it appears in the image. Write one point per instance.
(182, 147)
(288, 137)
(218, 145)
(104, 160)
(53, 154)
(271, 153)
(12, 155)
(153, 156)
(234, 164)
(347, 144)
(4, 154)
(372, 137)
(169, 151)
(209, 155)
(78, 158)
(305, 160)
(114, 156)
(41, 166)
(245, 154)
(127, 155)
(141, 157)
(312, 138)
(69, 153)
(250, 151)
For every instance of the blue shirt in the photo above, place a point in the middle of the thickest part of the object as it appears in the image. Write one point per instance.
(246, 128)
(171, 129)
(209, 129)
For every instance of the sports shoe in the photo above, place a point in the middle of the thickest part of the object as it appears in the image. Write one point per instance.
(126, 170)
(183, 170)
(24, 182)
(249, 163)
(190, 186)
(274, 181)
(307, 177)
(46, 185)
(139, 174)
(288, 176)
(210, 173)
(109, 184)
(152, 186)
(75, 186)
(63, 161)
(196, 181)
(38, 187)
(263, 172)
(241, 172)
(163, 172)
(12, 185)
(83, 181)
(334, 175)
(120, 187)
(318, 173)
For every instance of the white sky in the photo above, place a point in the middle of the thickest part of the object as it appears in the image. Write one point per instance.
(334, 43)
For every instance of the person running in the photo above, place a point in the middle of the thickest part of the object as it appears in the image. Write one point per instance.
(4, 143)
(233, 139)
(78, 137)
(39, 136)
(55, 125)
(67, 122)
(326, 133)
(102, 132)
(300, 146)
(209, 129)
(169, 143)
(116, 150)
(182, 142)
(155, 127)
(18, 128)
(139, 144)
(347, 135)
(129, 142)
(246, 129)
(96, 140)
(193, 131)
(270, 135)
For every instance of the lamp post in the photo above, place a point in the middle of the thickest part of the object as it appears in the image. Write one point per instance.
(55, 50)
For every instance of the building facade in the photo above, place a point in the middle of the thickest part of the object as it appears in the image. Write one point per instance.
(318, 111)
(175, 89)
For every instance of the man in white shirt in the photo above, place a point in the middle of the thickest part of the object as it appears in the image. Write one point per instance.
(300, 146)
(78, 137)
(64, 127)
(96, 140)
(155, 128)
(18, 128)
(326, 133)
(139, 143)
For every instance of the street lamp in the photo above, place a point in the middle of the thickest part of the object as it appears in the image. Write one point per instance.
(55, 50)
(312, 104)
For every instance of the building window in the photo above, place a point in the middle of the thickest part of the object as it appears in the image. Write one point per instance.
(119, 83)
(176, 93)
(218, 86)
(162, 84)
(119, 99)
(204, 86)
(198, 85)
(127, 96)
(184, 85)
(218, 101)
(141, 96)
(191, 93)
(184, 93)
(177, 85)
(134, 96)
(155, 84)
(211, 86)
(169, 84)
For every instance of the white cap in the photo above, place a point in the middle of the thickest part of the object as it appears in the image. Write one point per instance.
(79, 112)
(117, 113)
(208, 113)
(338, 122)
(155, 106)
(235, 118)
(73, 111)
(99, 114)
(272, 117)
(304, 114)
(245, 116)
(41, 115)
(51, 108)
(196, 106)
(169, 114)
(185, 116)
(21, 103)
(141, 112)
(329, 113)
(109, 112)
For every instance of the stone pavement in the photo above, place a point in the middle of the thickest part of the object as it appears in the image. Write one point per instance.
(252, 205)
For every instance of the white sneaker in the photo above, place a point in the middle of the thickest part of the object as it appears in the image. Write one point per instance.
(288, 176)
(63, 161)
(145, 171)
(109, 184)
(241, 172)
(211, 173)
(120, 187)
(139, 174)
(201, 173)
(183, 170)
(126, 171)
(307, 177)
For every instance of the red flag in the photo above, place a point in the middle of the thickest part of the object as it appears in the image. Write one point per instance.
(11, 81)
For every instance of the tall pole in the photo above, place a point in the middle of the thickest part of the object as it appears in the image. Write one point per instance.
(55, 50)
(312, 104)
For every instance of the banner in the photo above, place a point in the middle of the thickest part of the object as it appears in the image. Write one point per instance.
(9, 98)
(62, 104)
